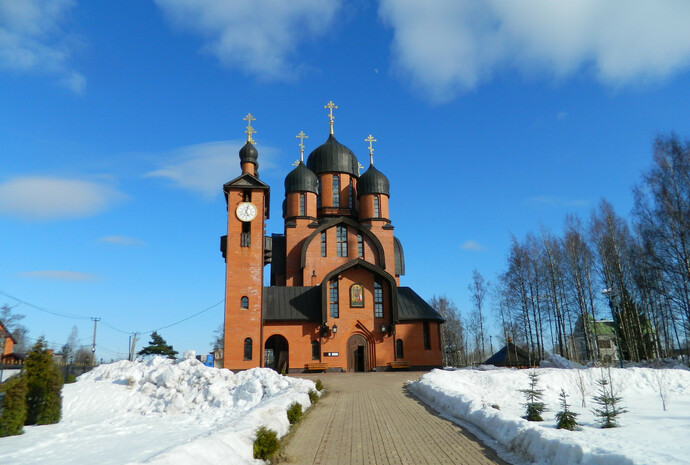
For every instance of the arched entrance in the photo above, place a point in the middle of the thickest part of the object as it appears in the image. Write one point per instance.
(357, 353)
(276, 353)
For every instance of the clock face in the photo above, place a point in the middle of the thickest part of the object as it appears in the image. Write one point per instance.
(246, 211)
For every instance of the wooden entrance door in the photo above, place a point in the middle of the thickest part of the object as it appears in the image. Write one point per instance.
(357, 353)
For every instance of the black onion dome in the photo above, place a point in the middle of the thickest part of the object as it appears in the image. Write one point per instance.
(249, 154)
(333, 157)
(373, 182)
(301, 179)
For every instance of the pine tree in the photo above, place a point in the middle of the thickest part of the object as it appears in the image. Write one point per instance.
(609, 401)
(44, 383)
(158, 346)
(533, 407)
(13, 406)
(566, 418)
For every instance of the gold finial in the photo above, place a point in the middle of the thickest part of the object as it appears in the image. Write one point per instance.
(250, 130)
(371, 140)
(295, 163)
(330, 105)
(301, 136)
(359, 167)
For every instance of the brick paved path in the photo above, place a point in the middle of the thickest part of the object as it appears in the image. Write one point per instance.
(370, 419)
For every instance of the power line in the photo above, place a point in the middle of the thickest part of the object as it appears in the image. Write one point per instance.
(52, 312)
(185, 319)
(116, 329)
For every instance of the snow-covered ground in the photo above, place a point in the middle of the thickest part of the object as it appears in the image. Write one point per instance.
(160, 412)
(647, 435)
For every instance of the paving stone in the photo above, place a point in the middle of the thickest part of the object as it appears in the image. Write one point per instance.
(370, 419)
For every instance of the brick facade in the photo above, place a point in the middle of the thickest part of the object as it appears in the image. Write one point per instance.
(350, 244)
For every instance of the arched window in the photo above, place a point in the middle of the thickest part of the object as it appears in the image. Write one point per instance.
(360, 245)
(315, 350)
(248, 348)
(333, 297)
(302, 205)
(352, 194)
(341, 241)
(323, 244)
(318, 195)
(399, 349)
(378, 300)
(244, 302)
(336, 190)
(377, 208)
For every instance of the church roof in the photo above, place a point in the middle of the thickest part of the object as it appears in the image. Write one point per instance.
(301, 179)
(333, 157)
(413, 307)
(509, 355)
(303, 303)
(399, 257)
(249, 154)
(294, 303)
(373, 182)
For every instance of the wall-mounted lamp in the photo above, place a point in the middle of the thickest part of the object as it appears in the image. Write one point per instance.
(335, 329)
(383, 328)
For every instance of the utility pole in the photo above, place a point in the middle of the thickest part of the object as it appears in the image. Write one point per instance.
(93, 345)
(133, 338)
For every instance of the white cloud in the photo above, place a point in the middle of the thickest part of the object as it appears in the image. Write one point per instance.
(258, 36)
(204, 168)
(43, 198)
(32, 40)
(472, 246)
(121, 240)
(58, 275)
(450, 46)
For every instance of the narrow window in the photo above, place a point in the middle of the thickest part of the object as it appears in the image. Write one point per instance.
(427, 336)
(302, 206)
(244, 302)
(315, 349)
(378, 300)
(399, 349)
(352, 193)
(376, 206)
(336, 191)
(333, 297)
(248, 348)
(318, 196)
(323, 244)
(246, 196)
(341, 236)
(360, 245)
(246, 236)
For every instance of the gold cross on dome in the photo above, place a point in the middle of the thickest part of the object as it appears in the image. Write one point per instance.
(330, 105)
(250, 130)
(359, 167)
(295, 163)
(371, 140)
(301, 136)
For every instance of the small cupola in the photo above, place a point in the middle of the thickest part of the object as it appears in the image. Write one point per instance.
(373, 182)
(332, 156)
(301, 179)
(248, 154)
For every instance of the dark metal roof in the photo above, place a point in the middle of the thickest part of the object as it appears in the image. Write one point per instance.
(301, 179)
(373, 182)
(296, 303)
(413, 307)
(399, 256)
(249, 154)
(509, 355)
(333, 157)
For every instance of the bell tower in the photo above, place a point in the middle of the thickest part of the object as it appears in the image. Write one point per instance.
(247, 201)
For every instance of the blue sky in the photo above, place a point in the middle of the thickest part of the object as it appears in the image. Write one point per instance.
(121, 120)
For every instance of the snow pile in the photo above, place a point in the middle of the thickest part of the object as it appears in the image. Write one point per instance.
(160, 411)
(491, 405)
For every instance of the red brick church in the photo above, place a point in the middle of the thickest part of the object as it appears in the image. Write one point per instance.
(334, 301)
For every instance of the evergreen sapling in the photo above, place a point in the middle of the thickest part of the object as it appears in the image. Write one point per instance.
(609, 402)
(565, 418)
(533, 407)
